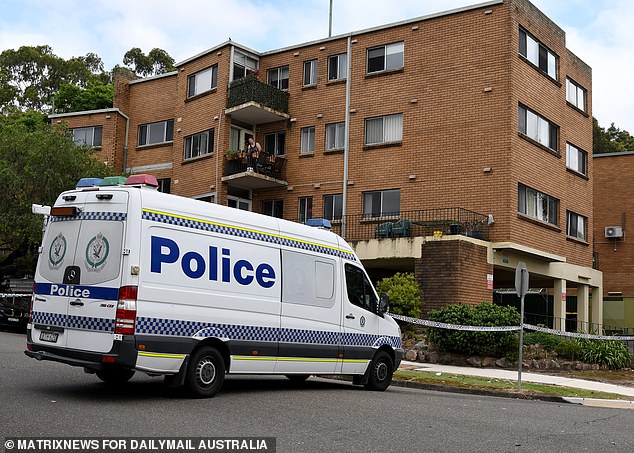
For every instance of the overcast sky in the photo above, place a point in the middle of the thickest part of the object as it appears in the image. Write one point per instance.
(600, 32)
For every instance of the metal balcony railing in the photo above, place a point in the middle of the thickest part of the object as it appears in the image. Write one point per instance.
(249, 89)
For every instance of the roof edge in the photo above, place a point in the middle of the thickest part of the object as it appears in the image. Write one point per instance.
(88, 112)
(615, 154)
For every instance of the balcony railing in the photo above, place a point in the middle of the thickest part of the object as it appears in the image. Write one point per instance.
(426, 222)
(249, 89)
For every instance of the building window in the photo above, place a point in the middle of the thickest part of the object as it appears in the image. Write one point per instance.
(538, 205)
(538, 128)
(159, 132)
(384, 58)
(310, 72)
(199, 144)
(576, 159)
(90, 136)
(164, 185)
(275, 143)
(384, 129)
(333, 206)
(243, 65)
(576, 225)
(202, 81)
(305, 210)
(381, 203)
(308, 140)
(538, 54)
(337, 66)
(273, 208)
(576, 95)
(335, 136)
(278, 77)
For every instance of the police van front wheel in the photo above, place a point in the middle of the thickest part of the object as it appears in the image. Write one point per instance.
(381, 370)
(205, 373)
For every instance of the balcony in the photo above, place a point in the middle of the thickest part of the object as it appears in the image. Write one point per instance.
(265, 174)
(254, 102)
(404, 224)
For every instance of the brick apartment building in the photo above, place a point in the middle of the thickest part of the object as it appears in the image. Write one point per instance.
(468, 147)
(614, 251)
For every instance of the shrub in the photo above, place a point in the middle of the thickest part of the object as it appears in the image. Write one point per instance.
(568, 349)
(466, 342)
(607, 353)
(547, 340)
(404, 293)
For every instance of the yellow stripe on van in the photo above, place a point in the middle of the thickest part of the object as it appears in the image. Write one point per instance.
(225, 225)
(297, 359)
(161, 355)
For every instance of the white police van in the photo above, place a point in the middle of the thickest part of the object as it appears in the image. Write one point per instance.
(129, 279)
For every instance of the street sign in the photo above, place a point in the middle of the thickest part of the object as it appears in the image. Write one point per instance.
(521, 279)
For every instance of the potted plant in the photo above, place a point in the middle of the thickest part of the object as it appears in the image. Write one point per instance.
(233, 154)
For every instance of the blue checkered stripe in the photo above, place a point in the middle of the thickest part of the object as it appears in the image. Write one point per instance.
(107, 216)
(181, 328)
(73, 322)
(238, 232)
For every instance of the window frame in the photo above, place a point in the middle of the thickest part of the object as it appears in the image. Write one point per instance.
(307, 147)
(209, 133)
(572, 218)
(581, 158)
(368, 300)
(523, 205)
(385, 55)
(168, 132)
(282, 82)
(276, 207)
(93, 135)
(339, 133)
(541, 49)
(276, 145)
(339, 68)
(241, 60)
(382, 212)
(383, 130)
(313, 72)
(523, 123)
(570, 84)
(192, 93)
(304, 209)
(164, 185)
(336, 199)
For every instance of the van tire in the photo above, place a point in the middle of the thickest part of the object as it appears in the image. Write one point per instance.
(205, 373)
(380, 372)
(115, 375)
(297, 377)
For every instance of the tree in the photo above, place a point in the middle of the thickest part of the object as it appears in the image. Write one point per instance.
(72, 98)
(404, 292)
(612, 140)
(156, 62)
(37, 162)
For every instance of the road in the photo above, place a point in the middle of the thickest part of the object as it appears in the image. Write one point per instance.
(320, 415)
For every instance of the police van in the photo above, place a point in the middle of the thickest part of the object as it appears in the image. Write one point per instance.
(131, 279)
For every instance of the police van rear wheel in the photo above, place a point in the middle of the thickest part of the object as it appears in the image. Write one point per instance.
(381, 370)
(115, 375)
(205, 373)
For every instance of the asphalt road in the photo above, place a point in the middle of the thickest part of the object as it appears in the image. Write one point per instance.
(320, 415)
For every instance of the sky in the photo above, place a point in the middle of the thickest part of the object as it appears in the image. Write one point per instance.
(597, 31)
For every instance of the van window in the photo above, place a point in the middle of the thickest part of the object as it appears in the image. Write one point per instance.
(99, 251)
(360, 290)
(308, 280)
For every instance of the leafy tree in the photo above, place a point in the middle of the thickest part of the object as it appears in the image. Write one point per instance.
(610, 140)
(72, 98)
(37, 162)
(156, 62)
(404, 293)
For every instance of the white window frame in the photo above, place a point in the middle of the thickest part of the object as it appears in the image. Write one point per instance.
(304, 211)
(576, 94)
(537, 128)
(576, 226)
(337, 201)
(389, 127)
(276, 151)
(279, 203)
(247, 64)
(389, 51)
(534, 51)
(190, 141)
(282, 74)
(341, 66)
(307, 140)
(383, 211)
(199, 80)
(89, 136)
(537, 205)
(335, 136)
(167, 127)
(310, 70)
(576, 159)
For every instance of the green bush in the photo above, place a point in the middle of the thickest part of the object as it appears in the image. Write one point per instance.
(465, 342)
(547, 340)
(567, 349)
(404, 293)
(611, 354)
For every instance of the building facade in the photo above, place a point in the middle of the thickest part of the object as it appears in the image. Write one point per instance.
(466, 150)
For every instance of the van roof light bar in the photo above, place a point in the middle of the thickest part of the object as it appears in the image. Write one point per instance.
(88, 182)
(319, 223)
(142, 179)
(113, 181)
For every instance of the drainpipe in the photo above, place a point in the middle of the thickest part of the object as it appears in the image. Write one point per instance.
(346, 146)
(218, 156)
(125, 145)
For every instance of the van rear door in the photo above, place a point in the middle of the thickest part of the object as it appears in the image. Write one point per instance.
(79, 272)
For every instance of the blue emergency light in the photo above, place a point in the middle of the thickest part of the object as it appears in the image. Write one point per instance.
(319, 223)
(88, 182)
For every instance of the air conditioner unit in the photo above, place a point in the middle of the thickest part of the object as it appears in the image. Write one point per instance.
(613, 232)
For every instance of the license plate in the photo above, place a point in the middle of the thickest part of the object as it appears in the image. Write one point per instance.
(48, 336)
(13, 320)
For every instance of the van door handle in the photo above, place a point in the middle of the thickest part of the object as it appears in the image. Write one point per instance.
(77, 303)
(350, 316)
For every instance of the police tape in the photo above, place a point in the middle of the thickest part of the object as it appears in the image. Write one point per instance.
(7, 295)
(443, 325)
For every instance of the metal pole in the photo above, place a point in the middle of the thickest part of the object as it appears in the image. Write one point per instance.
(519, 366)
(346, 146)
(330, 20)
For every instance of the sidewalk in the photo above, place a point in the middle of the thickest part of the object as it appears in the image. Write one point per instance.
(534, 377)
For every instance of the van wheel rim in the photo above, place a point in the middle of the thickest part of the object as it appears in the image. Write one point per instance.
(206, 372)
(381, 371)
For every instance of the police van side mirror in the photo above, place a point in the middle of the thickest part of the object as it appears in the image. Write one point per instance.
(384, 302)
